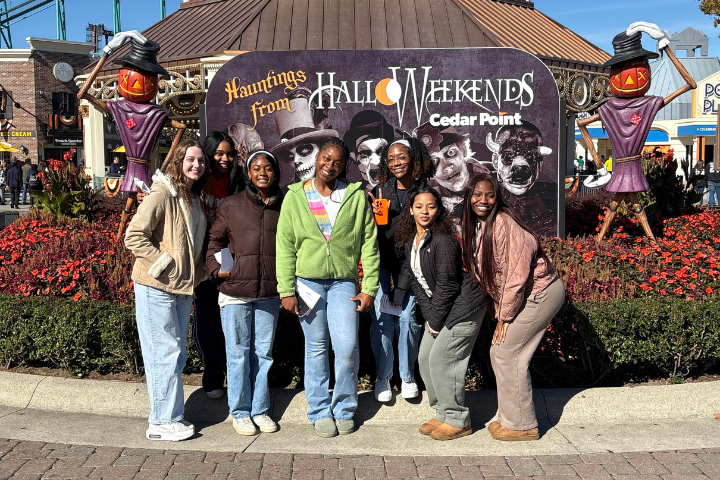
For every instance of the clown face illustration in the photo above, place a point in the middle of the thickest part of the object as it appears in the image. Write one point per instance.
(367, 157)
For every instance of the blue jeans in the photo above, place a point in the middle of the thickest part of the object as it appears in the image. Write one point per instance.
(162, 320)
(335, 318)
(385, 327)
(249, 332)
(713, 193)
(25, 191)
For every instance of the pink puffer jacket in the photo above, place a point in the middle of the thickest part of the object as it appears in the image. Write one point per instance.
(521, 274)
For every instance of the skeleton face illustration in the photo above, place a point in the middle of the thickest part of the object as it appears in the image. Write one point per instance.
(367, 156)
(302, 158)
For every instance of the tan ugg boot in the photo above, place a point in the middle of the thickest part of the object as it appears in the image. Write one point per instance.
(428, 427)
(505, 434)
(493, 427)
(445, 431)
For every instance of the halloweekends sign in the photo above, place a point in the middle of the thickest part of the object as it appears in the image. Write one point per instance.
(493, 110)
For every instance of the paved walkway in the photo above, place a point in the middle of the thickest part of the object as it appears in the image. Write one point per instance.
(37, 460)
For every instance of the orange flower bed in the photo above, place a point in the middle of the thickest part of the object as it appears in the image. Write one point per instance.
(685, 261)
(43, 255)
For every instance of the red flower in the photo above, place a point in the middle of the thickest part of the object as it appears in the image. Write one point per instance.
(77, 296)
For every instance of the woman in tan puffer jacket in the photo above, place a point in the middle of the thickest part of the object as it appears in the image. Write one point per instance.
(506, 259)
(166, 237)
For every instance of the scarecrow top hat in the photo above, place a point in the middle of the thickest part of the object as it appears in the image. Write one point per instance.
(368, 124)
(296, 127)
(629, 48)
(143, 56)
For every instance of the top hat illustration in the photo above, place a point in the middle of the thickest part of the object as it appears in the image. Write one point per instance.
(296, 127)
(436, 139)
(143, 56)
(629, 48)
(368, 124)
(451, 136)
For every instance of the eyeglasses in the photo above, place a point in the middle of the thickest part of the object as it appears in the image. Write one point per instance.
(402, 158)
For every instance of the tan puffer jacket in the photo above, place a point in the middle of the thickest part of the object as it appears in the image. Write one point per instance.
(160, 237)
(518, 271)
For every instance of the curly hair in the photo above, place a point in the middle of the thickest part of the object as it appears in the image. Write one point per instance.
(174, 171)
(484, 274)
(407, 228)
(423, 167)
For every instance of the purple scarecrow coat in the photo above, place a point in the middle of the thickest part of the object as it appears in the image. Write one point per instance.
(628, 121)
(139, 125)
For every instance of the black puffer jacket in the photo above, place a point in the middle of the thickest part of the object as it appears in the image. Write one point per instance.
(455, 298)
(391, 259)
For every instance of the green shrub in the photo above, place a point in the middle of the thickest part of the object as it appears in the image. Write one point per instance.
(655, 338)
(78, 336)
(640, 338)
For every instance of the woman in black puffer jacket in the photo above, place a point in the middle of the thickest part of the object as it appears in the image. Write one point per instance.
(451, 304)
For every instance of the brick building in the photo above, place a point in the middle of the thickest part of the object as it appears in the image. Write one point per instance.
(40, 79)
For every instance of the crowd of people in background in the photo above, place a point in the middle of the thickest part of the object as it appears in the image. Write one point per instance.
(20, 178)
(217, 230)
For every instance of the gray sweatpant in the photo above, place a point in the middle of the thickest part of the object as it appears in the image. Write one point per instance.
(443, 363)
(511, 359)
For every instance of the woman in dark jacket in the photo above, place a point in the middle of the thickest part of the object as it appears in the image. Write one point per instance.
(249, 302)
(451, 303)
(405, 165)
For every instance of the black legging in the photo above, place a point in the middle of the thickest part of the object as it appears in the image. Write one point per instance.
(208, 335)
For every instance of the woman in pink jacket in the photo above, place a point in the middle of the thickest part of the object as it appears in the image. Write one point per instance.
(506, 259)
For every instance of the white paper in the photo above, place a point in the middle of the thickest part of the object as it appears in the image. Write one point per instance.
(224, 258)
(387, 307)
(139, 183)
(308, 295)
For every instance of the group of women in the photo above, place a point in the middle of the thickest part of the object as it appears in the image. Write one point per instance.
(301, 250)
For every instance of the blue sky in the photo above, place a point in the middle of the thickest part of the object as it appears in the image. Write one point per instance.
(598, 22)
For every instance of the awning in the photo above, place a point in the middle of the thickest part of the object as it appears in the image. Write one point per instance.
(655, 136)
(121, 149)
(6, 147)
(706, 130)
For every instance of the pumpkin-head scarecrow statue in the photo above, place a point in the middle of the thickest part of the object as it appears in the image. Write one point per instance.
(628, 115)
(139, 122)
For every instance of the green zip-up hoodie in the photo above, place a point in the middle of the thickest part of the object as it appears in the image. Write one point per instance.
(302, 251)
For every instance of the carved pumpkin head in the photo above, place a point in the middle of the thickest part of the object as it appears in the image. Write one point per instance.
(137, 86)
(630, 79)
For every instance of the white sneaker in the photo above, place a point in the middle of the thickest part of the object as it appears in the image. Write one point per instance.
(383, 392)
(217, 393)
(409, 390)
(265, 423)
(245, 426)
(173, 432)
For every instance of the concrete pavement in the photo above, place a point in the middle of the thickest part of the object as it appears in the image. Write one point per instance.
(91, 412)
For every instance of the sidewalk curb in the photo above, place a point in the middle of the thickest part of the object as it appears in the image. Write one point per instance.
(557, 406)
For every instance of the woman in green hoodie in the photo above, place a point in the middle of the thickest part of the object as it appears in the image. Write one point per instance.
(326, 227)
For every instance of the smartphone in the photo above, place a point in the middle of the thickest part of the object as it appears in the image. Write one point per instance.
(302, 306)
